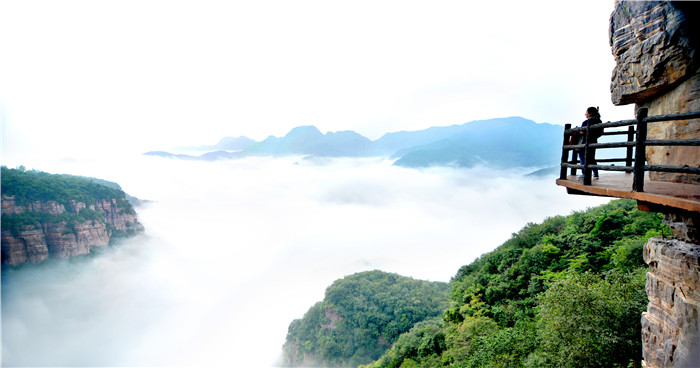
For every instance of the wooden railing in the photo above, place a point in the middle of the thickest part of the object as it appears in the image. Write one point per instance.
(635, 144)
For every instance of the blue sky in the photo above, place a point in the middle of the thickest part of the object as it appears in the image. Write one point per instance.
(84, 78)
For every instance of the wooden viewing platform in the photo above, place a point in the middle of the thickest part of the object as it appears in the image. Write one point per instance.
(628, 177)
(618, 185)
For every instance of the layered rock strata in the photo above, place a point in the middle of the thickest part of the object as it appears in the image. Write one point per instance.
(658, 67)
(655, 47)
(63, 239)
(670, 324)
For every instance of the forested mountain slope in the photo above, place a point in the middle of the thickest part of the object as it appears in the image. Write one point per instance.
(360, 317)
(568, 292)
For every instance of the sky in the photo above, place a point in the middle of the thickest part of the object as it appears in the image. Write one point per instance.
(86, 78)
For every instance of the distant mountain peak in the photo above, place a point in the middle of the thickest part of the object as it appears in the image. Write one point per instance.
(304, 130)
(501, 142)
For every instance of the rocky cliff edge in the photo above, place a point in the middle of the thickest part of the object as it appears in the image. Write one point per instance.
(35, 231)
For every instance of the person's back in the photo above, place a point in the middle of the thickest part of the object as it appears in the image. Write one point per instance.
(593, 133)
(592, 118)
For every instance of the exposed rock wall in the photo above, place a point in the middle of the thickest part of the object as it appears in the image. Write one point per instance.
(62, 239)
(29, 246)
(655, 45)
(658, 67)
(670, 324)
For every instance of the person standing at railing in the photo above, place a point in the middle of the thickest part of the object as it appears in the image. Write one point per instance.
(592, 117)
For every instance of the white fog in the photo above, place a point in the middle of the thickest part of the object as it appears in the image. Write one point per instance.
(235, 250)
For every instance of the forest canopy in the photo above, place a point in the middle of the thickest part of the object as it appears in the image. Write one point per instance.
(360, 317)
(32, 185)
(568, 292)
(28, 186)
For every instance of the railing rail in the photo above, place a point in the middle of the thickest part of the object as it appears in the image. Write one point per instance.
(635, 144)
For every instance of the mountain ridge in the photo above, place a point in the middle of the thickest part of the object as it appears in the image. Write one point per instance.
(463, 145)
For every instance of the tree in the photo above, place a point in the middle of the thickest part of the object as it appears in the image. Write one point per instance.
(586, 320)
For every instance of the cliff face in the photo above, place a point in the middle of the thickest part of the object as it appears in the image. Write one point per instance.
(670, 324)
(53, 237)
(658, 67)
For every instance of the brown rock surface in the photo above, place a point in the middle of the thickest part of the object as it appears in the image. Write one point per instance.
(10, 206)
(63, 242)
(670, 324)
(118, 218)
(29, 246)
(657, 66)
(60, 239)
(653, 49)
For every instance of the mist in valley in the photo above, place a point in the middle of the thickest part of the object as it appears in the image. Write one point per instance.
(235, 250)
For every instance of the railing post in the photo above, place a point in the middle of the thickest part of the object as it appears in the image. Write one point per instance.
(640, 150)
(586, 161)
(565, 152)
(630, 150)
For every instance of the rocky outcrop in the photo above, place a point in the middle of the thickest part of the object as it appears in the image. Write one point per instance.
(29, 246)
(119, 218)
(658, 67)
(655, 47)
(670, 324)
(54, 237)
(334, 317)
(9, 206)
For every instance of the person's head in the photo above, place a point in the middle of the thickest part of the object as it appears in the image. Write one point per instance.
(592, 112)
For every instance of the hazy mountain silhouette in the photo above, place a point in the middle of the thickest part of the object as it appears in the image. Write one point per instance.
(391, 143)
(209, 156)
(225, 144)
(308, 140)
(170, 155)
(502, 142)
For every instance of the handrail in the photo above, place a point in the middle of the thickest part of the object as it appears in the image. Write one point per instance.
(635, 145)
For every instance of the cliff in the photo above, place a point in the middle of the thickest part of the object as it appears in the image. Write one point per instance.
(670, 324)
(58, 225)
(57, 236)
(658, 67)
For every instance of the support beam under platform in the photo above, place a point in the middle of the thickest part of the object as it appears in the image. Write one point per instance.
(619, 185)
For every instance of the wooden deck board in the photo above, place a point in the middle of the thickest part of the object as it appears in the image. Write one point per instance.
(619, 185)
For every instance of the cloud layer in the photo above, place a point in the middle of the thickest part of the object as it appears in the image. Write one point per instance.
(235, 250)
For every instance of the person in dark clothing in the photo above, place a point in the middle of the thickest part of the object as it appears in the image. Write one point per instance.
(592, 117)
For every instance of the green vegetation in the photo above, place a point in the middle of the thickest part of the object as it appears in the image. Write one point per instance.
(568, 292)
(27, 186)
(30, 186)
(131, 199)
(360, 317)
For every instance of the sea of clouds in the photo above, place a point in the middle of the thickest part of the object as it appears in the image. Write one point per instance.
(235, 250)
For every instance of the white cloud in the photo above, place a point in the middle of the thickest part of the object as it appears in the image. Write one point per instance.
(235, 250)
